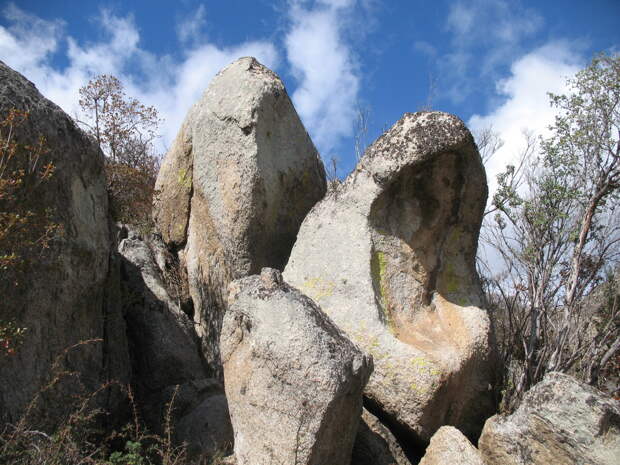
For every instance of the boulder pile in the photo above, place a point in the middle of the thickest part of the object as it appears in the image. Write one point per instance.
(271, 321)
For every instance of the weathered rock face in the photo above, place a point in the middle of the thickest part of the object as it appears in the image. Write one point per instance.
(165, 348)
(165, 353)
(376, 445)
(448, 447)
(560, 421)
(207, 429)
(235, 187)
(390, 257)
(68, 296)
(293, 381)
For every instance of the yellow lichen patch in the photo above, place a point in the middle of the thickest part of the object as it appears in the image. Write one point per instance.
(318, 288)
(378, 269)
(450, 279)
(419, 389)
(184, 179)
(372, 346)
(423, 365)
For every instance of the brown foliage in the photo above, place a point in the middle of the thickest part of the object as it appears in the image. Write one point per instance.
(26, 225)
(124, 128)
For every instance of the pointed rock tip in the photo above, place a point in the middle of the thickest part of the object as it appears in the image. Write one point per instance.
(252, 65)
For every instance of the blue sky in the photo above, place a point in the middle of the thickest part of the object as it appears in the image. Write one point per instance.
(490, 62)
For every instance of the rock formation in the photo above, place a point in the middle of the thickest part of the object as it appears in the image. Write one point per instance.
(235, 187)
(389, 256)
(165, 350)
(449, 447)
(169, 375)
(376, 445)
(67, 295)
(293, 381)
(560, 421)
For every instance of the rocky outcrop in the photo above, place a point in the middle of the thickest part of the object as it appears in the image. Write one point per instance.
(376, 445)
(207, 429)
(293, 381)
(67, 294)
(235, 187)
(560, 421)
(170, 378)
(449, 447)
(389, 256)
(165, 348)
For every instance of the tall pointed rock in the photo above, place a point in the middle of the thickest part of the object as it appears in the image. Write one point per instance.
(234, 188)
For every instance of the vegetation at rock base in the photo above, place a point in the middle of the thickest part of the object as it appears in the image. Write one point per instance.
(82, 439)
(124, 129)
(556, 231)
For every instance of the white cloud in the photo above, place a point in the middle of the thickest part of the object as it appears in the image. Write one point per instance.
(317, 45)
(323, 64)
(29, 40)
(525, 103)
(190, 29)
(486, 36)
(493, 22)
(171, 85)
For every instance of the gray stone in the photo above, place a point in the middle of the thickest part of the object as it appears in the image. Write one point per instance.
(390, 257)
(170, 378)
(235, 187)
(376, 445)
(198, 413)
(207, 429)
(448, 446)
(293, 380)
(560, 421)
(67, 296)
(165, 347)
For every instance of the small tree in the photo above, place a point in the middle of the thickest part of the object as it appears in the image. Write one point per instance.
(556, 230)
(125, 130)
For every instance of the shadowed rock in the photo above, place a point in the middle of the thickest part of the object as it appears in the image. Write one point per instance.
(169, 375)
(389, 256)
(235, 187)
(376, 445)
(293, 380)
(67, 294)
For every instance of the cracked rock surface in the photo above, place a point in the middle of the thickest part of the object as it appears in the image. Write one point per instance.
(561, 421)
(66, 296)
(235, 187)
(389, 256)
(293, 380)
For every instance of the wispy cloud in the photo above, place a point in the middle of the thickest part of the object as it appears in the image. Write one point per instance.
(190, 29)
(486, 36)
(324, 66)
(318, 44)
(525, 103)
(172, 85)
(29, 40)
